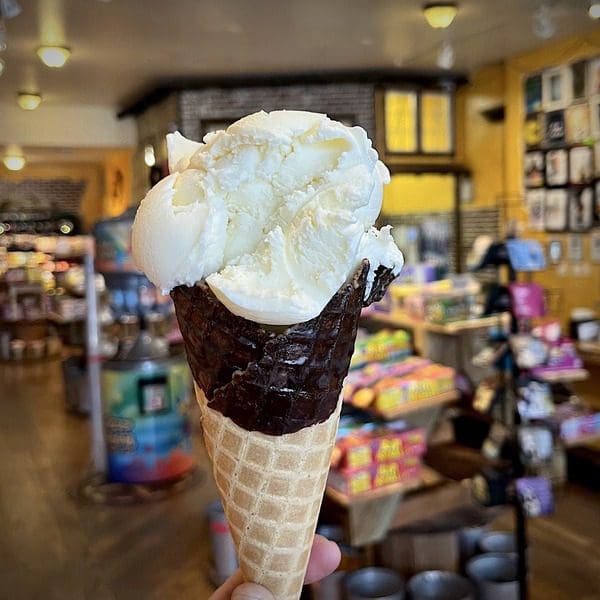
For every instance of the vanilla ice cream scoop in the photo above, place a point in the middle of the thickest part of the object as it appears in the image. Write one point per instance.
(275, 213)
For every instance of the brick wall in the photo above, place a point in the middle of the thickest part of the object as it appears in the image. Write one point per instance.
(64, 195)
(353, 101)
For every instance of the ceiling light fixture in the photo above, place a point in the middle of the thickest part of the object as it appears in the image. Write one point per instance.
(54, 56)
(149, 157)
(594, 9)
(13, 159)
(9, 9)
(446, 56)
(440, 15)
(543, 23)
(28, 101)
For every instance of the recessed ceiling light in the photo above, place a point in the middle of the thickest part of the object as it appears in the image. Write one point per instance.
(28, 101)
(594, 9)
(543, 22)
(440, 15)
(149, 157)
(446, 56)
(54, 56)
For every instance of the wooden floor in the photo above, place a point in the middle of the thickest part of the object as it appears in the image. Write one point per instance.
(54, 547)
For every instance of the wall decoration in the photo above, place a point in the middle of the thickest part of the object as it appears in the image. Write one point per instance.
(534, 130)
(557, 167)
(556, 88)
(579, 80)
(555, 251)
(401, 121)
(595, 115)
(436, 123)
(555, 210)
(594, 77)
(595, 247)
(581, 209)
(535, 208)
(581, 167)
(577, 123)
(575, 243)
(534, 169)
(554, 130)
(533, 94)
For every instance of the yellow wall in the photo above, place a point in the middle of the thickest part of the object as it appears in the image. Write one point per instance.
(569, 286)
(410, 194)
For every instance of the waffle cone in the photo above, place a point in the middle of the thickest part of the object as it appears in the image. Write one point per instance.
(271, 488)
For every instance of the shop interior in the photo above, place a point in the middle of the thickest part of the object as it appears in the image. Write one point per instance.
(467, 459)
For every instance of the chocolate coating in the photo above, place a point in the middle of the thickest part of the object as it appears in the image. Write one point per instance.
(269, 382)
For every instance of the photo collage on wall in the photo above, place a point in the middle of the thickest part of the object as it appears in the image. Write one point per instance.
(562, 147)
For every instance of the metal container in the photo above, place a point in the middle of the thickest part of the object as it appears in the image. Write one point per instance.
(146, 398)
(468, 541)
(495, 576)
(373, 582)
(329, 588)
(223, 549)
(440, 585)
(498, 541)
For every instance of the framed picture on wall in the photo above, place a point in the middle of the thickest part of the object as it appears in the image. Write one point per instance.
(595, 115)
(581, 209)
(535, 208)
(555, 210)
(593, 77)
(555, 251)
(557, 167)
(579, 80)
(534, 169)
(577, 123)
(533, 94)
(554, 129)
(534, 130)
(575, 247)
(581, 165)
(556, 88)
(595, 247)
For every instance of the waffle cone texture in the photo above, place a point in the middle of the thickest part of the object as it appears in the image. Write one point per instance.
(270, 404)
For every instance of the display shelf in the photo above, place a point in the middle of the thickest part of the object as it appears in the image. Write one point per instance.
(56, 318)
(584, 440)
(590, 352)
(428, 478)
(566, 376)
(413, 406)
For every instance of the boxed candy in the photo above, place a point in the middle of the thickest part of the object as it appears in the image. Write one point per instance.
(384, 345)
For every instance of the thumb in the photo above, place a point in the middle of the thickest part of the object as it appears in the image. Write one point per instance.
(251, 591)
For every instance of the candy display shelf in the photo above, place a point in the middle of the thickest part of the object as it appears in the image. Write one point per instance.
(409, 407)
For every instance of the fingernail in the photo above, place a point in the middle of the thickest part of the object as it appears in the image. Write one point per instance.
(251, 591)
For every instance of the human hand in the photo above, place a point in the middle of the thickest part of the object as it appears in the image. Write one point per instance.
(324, 558)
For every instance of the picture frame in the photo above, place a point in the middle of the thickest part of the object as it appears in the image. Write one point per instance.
(593, 77)
(533, 94)
(595, 115)
(595, 247)
(581, 165)
(535, 200)
(556, 210)
(575, 247)
(577, 123)
(401, 121)
(554, 128)
(534, 169)
(579, 80)
(581, 209)
(557, 167)
(534, 130)
(556, 88)
(555, 251)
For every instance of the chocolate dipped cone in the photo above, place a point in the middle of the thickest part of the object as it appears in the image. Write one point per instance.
(270, 406)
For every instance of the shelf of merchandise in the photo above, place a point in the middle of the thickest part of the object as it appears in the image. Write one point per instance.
(428, 478)
(584, 440)
(566, 376)
(413, 406)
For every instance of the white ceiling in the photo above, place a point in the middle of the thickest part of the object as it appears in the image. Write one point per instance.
(122, 48)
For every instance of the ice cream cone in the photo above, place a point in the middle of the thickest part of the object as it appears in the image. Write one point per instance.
(270, 403)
